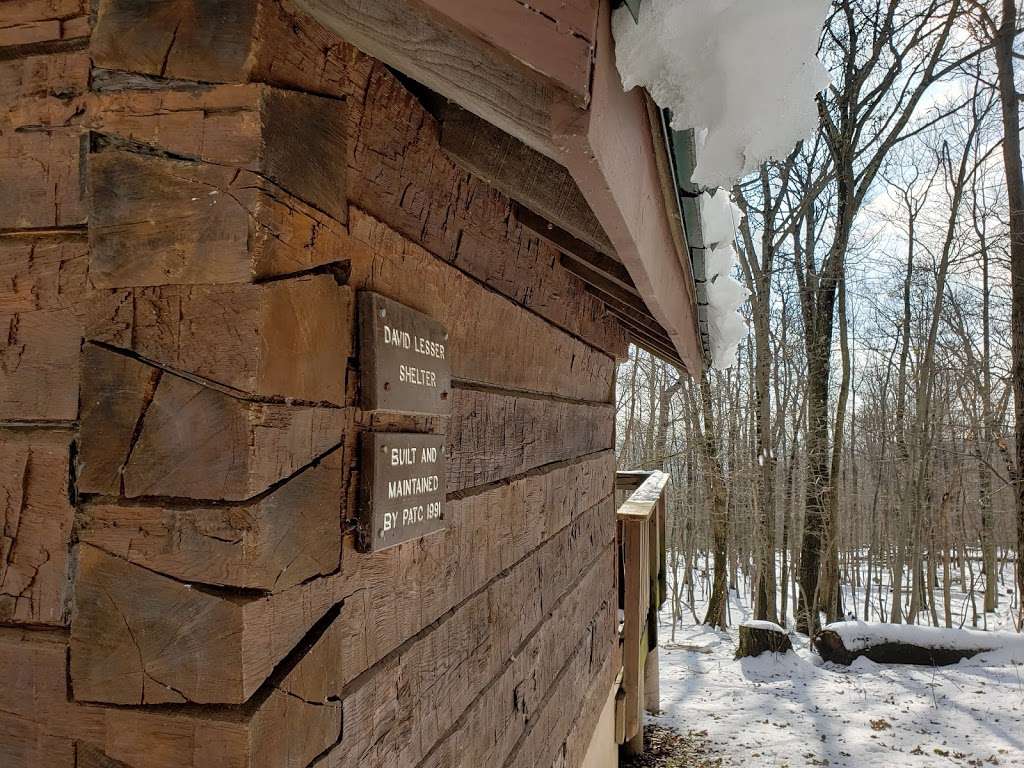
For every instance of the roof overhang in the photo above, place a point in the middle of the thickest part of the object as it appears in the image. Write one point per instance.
(544, 74)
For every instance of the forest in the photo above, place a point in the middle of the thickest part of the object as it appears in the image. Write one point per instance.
(861, 453)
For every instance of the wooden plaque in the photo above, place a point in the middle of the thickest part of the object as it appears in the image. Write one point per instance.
(402, 488)
(403, 358)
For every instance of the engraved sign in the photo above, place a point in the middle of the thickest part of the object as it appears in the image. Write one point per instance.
(403, 358)
(402, 490)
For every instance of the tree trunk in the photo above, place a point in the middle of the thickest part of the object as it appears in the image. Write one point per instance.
(716, 615)
(1008, 99)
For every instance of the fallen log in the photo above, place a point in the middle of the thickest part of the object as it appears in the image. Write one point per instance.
(843, 642)
(757, 637)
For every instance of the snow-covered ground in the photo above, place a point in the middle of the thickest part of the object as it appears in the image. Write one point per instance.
(794, 710)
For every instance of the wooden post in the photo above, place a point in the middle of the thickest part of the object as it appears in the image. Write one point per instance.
(640, 518)
(637, 593)
(652, 687)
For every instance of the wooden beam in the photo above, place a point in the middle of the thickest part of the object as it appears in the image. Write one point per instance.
(658, 349)
(522, 173)
(633, 319)
(610, 153)
(658, 345)
(608, 280)
(608, 148)
(598, 280)
(576, 248)
(435, 49)
(535, 39)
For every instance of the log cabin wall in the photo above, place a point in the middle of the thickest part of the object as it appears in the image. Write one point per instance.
(191, 193)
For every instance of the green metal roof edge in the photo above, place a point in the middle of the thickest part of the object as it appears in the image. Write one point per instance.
(683, 158)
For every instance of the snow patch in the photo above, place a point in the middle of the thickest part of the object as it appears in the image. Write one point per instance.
(743, 73)
(771, 626)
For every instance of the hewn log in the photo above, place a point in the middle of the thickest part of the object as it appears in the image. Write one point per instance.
(601, 692)
(38, 725)
(91, 756)
(157, 221)
(524, 648)
(397, 169)
(494, 435)
(42, 144)
(287, 338)
(36, 516)
(829, 645)
(129, 630)
(32, 22)
(296, 140)
(149, 433)
(529, 697)
(492, 340)
(274, 543)
(400, 175)
(42, 173)
(762, 637)
(43, 90)
(522, 173)
(218, 41)
(42, 284)
(549, 724)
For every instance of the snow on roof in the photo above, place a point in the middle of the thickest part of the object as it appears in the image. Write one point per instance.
(720, 218)
(742, 73)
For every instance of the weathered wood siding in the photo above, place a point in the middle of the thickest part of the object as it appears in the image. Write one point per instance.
(191, 194)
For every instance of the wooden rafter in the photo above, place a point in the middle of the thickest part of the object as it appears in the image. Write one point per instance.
(603, 138)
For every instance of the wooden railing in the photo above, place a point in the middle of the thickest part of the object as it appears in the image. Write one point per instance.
(642, 590)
